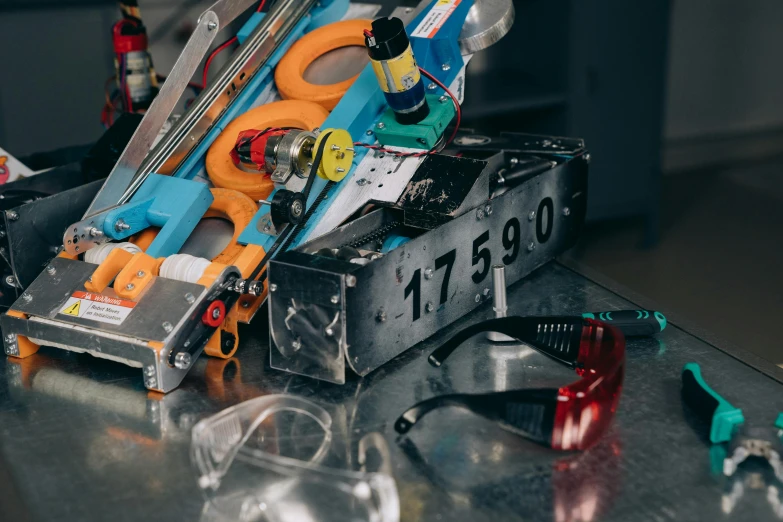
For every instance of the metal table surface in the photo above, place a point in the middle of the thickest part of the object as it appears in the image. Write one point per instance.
(82, 439)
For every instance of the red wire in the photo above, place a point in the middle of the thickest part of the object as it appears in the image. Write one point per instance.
(368, 33)
(427, 152)
(220, 49)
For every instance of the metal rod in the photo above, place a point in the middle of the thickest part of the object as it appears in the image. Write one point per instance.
(499, 302)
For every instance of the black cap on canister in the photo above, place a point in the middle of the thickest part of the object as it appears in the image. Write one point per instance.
(390, 39)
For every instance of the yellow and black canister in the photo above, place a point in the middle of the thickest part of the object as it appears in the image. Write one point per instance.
(396, 69)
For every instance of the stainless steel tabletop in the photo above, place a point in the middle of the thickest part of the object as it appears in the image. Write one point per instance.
(82, 440)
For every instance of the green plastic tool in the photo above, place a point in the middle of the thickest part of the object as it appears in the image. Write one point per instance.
(723, 418)
(632, 322)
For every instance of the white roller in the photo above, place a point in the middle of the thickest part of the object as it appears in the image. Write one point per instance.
(184, 267)
(98, 254)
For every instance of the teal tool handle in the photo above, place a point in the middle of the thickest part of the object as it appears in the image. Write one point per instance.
(632, 323)
(722, 418)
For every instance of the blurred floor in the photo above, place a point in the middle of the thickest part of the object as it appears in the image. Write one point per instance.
(719, 262)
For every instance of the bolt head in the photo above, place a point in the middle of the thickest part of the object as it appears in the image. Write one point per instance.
(532, 215)
(51, 270)
(182, 360)
(350, 281)
(478, 298)
(480, 214)
(428, 273)
(12, 215)
(566, 211)
(445, 67)
(167, 326)
(488, 210)
(10, 280)
(273, 287)
(368, 133)
(27, 297)
(140, 273)
(130, 286)
(381, 125)
(381, 316)
(429, 307)
(190, 298)
(432, 86)
(149, 371)
(216, 313)
(335, 299)
(531, 246)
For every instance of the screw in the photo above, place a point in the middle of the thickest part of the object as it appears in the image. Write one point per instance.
(445, 67)
(443, 99)
(488, 210)
(432, 86)
(121, 225)
(182, 360)
(335, 299)
(381, 125)
(532, 215)
(130, 286)
(267, 226)
(513, 162)
(531, 246)
(381, 316)
(51, 270)
(369, 133)
(27, 297)
(94, 232)
(478, 298)
(273, 287)
(296, 344)
(566, 211)
(480, 214)
(429, 307)
(586, 157)
(212, 26)
(167, 326)
(428, 273)
(350, 281)
(140, 273)
(12, 215)
(216, 313)
(10, 280)
(189, 298)
(362, 182)
(245, 304)
(335, 147)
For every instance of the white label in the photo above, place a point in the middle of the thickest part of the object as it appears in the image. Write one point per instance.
(11, 168)
(97, 307)
(435, 19)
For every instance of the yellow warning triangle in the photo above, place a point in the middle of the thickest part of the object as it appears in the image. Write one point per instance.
(73, 309)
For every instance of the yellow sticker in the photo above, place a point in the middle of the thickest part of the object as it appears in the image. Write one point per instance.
(73, 309)
(399, 74)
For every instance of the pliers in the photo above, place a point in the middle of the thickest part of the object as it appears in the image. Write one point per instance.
(735, 441)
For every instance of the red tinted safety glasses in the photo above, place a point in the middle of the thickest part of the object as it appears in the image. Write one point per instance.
(572, 417)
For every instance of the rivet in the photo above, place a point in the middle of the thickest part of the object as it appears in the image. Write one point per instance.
(130, 286)
(531, 246)
(432, 86)
(51, 270)
(167, 326)
(140, 273)
(429, 307)
(532, 215)
(350, 281)
(190, 298)
(445, 67)
(428, 273)
(335, 299)
(273, 287)
(381, 125)
(149, 371)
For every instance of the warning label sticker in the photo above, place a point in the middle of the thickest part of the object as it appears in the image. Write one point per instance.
(97, 307)
(435, 19)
